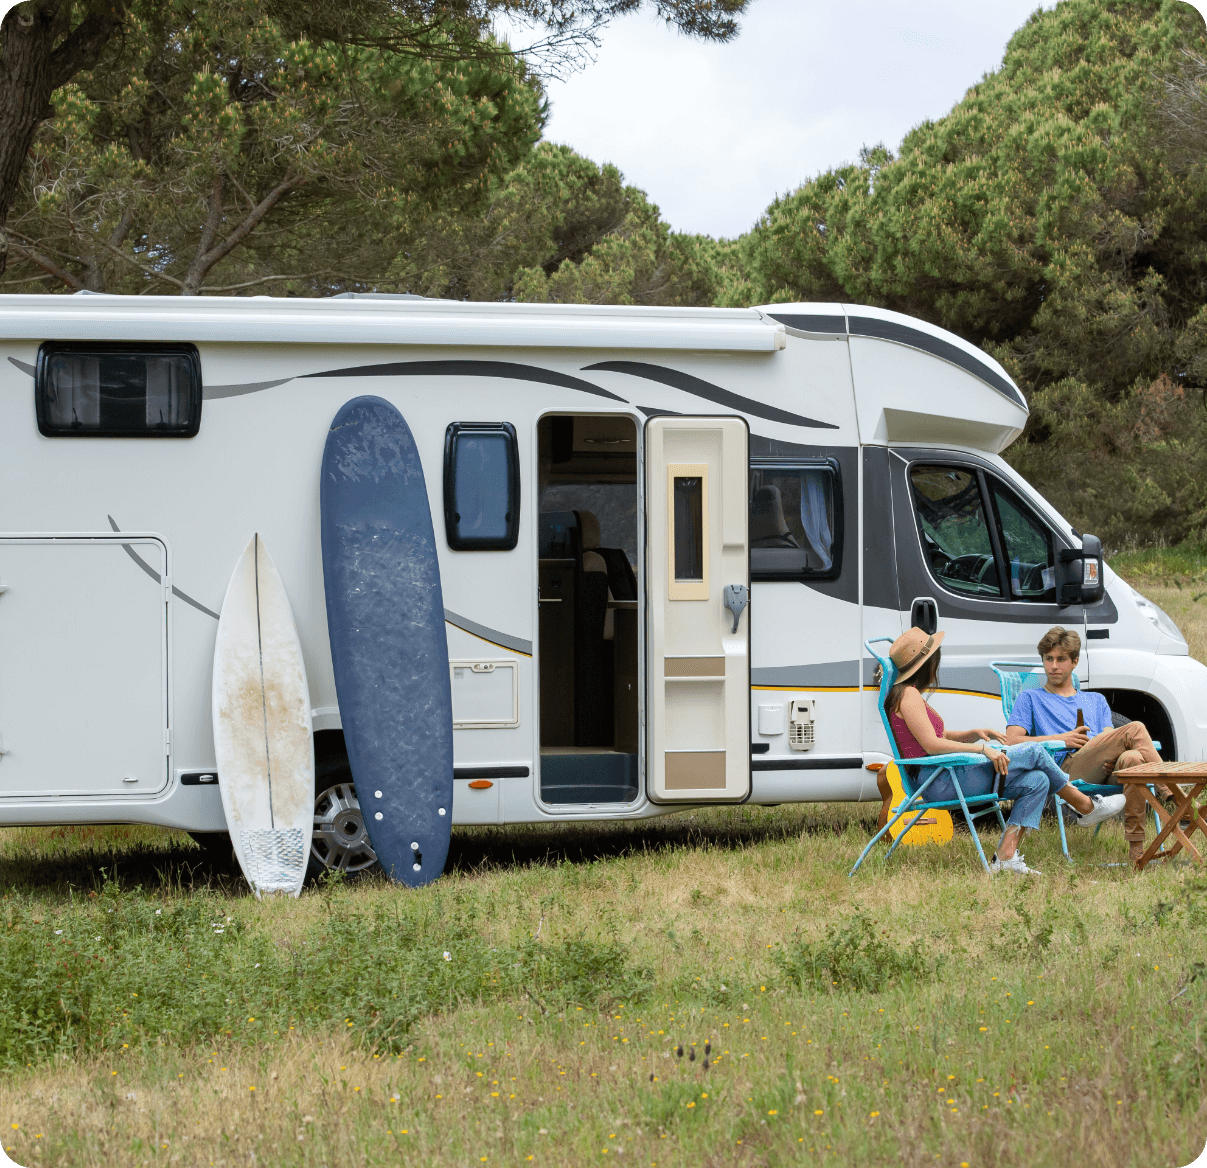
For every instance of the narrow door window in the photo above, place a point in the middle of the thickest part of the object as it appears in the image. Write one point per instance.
(1028, 545)
(689, 529)
(689, 532)
(955, 535)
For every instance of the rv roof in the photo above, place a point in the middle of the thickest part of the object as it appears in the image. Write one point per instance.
(858, 320)
(387, 321)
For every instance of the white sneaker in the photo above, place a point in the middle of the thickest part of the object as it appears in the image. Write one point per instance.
(1014, 864)
(1105, 807)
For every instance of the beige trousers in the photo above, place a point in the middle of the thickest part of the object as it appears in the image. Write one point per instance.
(1115, 750)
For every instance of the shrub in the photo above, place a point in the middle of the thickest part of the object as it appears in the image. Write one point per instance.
(853, 956)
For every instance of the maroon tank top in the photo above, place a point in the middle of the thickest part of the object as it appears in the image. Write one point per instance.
(907, 744)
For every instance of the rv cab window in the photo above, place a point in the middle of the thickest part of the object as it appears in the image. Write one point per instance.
(481, 486)
(1028, 546)
(117, 390)
(795, 521)
(955, 535)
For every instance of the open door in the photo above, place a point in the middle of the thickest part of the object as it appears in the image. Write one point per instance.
(697, 592)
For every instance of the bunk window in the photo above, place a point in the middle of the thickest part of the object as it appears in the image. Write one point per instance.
(481, 486)
(795, 521)
(118, 390)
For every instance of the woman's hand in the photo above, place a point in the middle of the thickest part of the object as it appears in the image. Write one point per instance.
(1001, 763)
(988, 735)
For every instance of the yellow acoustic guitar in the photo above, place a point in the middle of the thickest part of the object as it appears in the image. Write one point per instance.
(933, 828)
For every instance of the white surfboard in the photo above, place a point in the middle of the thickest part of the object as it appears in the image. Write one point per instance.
(263, 734)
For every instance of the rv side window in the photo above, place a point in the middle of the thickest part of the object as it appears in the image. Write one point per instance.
(795, 521)
(955, 536)
(481, 486)
(117, 390)
(1028, 546)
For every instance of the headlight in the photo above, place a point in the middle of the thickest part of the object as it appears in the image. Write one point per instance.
(1158, 616)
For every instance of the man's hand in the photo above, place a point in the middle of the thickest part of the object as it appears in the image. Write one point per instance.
(1075, 739)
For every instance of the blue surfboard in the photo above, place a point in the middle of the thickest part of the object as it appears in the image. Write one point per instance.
(385, 617)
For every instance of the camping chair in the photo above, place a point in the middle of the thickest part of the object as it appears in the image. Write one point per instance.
(915, 802)
(1016, 676)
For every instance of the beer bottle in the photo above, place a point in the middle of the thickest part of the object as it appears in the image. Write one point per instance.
(1080, 720)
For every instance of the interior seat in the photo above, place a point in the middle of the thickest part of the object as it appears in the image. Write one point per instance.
(768, 526)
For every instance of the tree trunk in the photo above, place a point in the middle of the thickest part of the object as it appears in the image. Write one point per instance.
(32, 68)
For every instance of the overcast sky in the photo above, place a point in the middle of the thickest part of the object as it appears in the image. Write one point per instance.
(713, 132)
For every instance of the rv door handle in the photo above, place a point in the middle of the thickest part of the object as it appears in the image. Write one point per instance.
(735, 597)
(924, 615)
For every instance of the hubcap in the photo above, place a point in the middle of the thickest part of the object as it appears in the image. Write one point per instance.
(340, 840)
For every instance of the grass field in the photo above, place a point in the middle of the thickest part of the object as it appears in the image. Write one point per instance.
(531, 1006)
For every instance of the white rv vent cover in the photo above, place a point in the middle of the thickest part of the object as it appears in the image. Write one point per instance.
(800, 725)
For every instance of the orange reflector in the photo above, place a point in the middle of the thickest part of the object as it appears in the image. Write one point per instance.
(481, 784)
(874, 766)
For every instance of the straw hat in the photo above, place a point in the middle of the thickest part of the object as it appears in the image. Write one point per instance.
(911, 650)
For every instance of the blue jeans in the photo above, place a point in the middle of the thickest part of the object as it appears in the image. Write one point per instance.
(1032, 777)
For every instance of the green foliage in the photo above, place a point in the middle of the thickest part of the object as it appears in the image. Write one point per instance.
(560, 228)
(109, 975)
(214, 139)
(1044, 219)
(853, 956)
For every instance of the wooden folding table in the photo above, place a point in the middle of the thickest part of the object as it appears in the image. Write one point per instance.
(1194, 774)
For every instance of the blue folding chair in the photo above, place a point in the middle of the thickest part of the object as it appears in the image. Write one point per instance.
(1016, 676)
(915, 797)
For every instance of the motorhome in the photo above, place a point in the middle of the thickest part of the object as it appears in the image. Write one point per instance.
(663, 538)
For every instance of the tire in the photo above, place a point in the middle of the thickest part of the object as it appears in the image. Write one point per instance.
(340, 841)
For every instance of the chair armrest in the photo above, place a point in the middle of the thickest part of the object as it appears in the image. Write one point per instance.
(955, 760)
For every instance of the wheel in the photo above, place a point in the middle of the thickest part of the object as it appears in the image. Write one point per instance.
(340, 840)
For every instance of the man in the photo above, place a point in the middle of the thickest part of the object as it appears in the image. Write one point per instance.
(1050, 715)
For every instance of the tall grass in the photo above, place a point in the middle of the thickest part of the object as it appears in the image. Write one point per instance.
(920, 1013)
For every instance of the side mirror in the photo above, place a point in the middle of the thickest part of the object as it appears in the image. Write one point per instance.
(1079, 575)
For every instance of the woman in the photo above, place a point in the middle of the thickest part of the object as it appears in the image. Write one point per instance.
(1029, 773)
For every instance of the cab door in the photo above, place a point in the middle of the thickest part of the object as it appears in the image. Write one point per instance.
(698, 617)
(975, 560)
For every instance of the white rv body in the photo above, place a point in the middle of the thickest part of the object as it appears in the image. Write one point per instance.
(116, 551)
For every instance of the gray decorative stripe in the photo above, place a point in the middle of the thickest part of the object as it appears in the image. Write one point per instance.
(511, 370)
(830, 673)
(22, 366)
(976, 678)
(156, 576)
(890, 330)
(515, 644)
(212, 392)
(697, 387)
(812, 322)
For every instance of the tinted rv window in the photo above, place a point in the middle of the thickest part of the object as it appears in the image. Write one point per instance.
(955, 536)
(1028, 545)
(795, 518)
(481, 486)
(118, 391)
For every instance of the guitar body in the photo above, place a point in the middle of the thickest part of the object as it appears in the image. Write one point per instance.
(934, 827)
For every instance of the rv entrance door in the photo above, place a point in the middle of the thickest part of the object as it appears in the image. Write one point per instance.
(83, 666)
(697, 592)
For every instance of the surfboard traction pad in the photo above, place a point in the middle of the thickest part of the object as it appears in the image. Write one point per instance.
(276, 860)
(385, 615)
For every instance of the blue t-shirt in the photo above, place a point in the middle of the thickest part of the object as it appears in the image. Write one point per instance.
(1039, 712)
